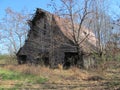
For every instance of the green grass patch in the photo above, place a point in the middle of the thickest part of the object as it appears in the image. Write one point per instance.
(10, 88)
(113, 84)
(41, 80)
(4, 57)
(12, 75)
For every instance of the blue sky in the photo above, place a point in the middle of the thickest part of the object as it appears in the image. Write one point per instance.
(17, 5)
(114, 8)
(31, 5)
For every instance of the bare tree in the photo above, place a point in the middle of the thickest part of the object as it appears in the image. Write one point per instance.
(14, 29)
(101, 24)
(76, 14)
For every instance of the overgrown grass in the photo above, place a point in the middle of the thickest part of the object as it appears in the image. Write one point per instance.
(7, 59)
(30, 76)
(12, 75)
(3, 57)
(14, 80)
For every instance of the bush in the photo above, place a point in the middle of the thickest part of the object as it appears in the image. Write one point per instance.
(7, 59)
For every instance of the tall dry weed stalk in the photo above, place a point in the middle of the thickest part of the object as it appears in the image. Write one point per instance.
(60, 67)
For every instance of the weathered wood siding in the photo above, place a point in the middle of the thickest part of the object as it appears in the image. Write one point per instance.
(44, 37)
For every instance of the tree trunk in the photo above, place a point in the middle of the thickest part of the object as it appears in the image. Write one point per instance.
(80, 62)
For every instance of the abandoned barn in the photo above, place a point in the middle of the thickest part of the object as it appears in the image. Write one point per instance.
(50, 43)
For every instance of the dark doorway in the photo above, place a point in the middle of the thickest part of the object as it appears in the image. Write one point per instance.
(22, 59)
(70, 59)
(43, 58)
(46, 59)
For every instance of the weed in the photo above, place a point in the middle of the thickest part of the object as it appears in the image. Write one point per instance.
(112, 84)
(6, 59)
(60, 67)
(12, 75)
(41, 80)
(9, 75)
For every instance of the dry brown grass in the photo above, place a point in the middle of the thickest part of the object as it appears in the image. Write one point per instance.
(54, 75)
(60, 66)
(27, 69)
(78, 78)
(8, 83)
